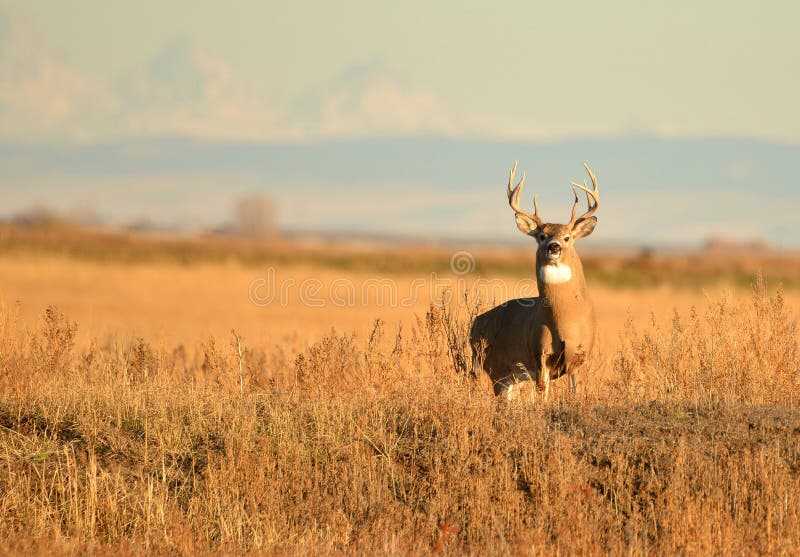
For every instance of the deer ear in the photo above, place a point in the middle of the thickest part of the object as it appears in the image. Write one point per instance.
(584, 227)
(525, 224)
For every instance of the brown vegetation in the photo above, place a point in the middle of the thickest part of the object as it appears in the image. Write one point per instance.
(384, 444)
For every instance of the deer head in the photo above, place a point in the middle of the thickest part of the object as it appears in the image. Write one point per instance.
(556, 258)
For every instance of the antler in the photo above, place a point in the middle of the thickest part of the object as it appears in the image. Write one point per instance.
(592, 197)
(513, 198)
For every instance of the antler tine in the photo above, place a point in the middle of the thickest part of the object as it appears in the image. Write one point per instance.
(592, 196)
(574, 207)
(514, 194)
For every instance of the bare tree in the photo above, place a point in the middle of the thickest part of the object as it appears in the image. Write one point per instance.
(255, 216)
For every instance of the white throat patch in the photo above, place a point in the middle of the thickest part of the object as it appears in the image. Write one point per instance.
(555, 274)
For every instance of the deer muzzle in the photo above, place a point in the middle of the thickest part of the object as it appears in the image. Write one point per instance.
(553, 250)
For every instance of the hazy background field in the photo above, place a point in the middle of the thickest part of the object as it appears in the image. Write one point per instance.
(179, 290)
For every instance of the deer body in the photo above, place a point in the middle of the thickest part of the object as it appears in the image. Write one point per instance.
(548, 336)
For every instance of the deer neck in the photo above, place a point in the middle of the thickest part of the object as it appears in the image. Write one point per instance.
(562, 286)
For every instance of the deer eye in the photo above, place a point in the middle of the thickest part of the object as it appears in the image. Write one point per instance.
(566, 238)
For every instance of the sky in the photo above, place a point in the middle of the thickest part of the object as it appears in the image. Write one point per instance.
(514, 77)
(297, 70)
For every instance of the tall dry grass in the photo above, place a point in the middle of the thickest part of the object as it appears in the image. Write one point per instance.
(732, 350)
(386, 444)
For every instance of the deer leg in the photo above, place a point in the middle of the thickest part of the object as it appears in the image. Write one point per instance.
(575, 362)
(501, 387)
(573, 383)
(546, 384)
(477, 366)
(505, 387)
(543, 379)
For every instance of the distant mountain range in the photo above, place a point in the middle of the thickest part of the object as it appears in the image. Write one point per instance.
(653, 190)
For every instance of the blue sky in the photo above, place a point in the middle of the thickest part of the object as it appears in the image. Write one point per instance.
(514, 80)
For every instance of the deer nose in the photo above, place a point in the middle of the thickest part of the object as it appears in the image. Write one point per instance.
(554, 248)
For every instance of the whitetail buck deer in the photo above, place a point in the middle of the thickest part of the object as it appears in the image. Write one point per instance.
(550, 335)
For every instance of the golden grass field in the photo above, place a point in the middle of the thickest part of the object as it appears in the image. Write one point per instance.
(134, 420)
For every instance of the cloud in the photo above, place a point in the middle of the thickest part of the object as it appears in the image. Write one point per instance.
(184, 90)
(368, 99)
(39, 93)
